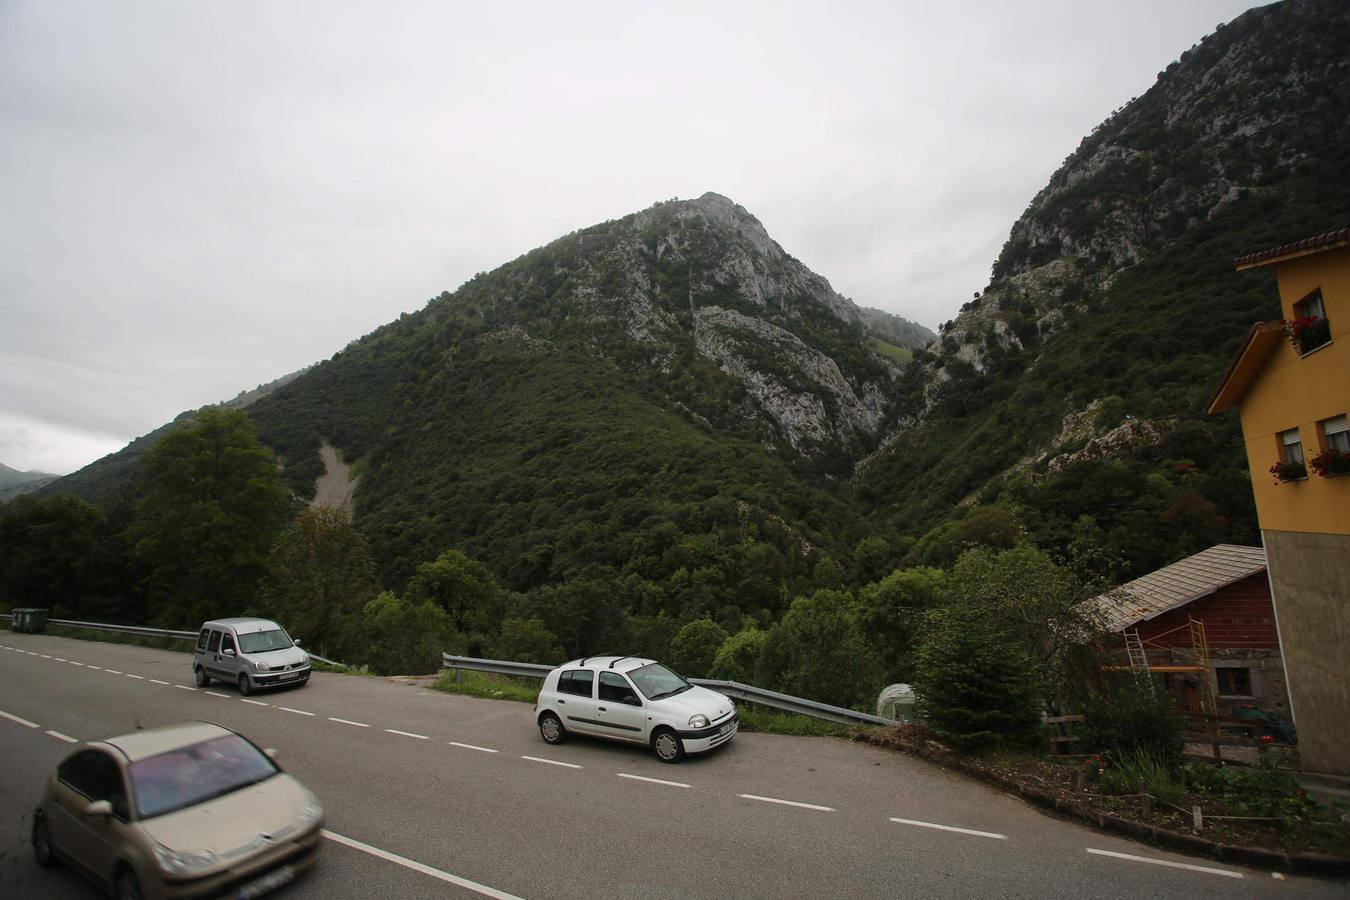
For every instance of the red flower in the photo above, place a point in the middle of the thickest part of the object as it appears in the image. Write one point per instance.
(1267, 738)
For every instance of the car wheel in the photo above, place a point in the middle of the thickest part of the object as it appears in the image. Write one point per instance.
(128, 886)
(42, 843)
(551, 729)
(203, 680)
(244, 687)
(668, 746)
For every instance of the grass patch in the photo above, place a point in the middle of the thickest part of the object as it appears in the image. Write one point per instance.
(771, 721)
(179, 645)
(483, 684)
(901, 354)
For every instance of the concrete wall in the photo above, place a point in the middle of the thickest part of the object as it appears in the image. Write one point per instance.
(1310, 575)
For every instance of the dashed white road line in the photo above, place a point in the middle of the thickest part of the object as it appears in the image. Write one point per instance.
(137, 677)
(157, 681)
(988, 834)
(552, 762)
(58, 659)
(653, 780)
(1167, 862)
(246, 700)
(14, 718)
(44, 656)
(74, 663)
(471, 747)
(419, 867)
(420, 737)
(112, 671)
(214, 694)
(298, 712)
(95, 668)
(63, 737)
(348, 722)
(184, 687)
(788, 802)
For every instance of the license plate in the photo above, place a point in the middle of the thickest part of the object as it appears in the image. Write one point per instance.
(287, 676)
(726, 729)
(269, 882)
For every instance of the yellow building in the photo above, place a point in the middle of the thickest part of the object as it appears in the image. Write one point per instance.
(1290, 381)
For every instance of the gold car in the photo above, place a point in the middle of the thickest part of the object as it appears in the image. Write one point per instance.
(187, 810)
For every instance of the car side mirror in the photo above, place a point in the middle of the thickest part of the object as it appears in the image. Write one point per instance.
(227, 652)
(99, 809)
(295, 641)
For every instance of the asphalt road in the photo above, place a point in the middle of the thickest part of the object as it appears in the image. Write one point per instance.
(434, 795)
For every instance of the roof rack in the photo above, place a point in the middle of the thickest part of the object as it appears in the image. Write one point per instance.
(617, 659)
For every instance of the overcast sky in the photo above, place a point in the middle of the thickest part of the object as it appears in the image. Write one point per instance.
(196, 198)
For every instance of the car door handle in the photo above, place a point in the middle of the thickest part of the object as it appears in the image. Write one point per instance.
(602, 709)
(562, 702)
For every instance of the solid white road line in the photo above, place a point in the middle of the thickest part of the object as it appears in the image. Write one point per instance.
(14, 718)
(653, 780)
(63, 737)
(419, 867)
(298, 712)
(471, 747)
(184, 687)
(137, 677)
(246, 700)
(420, 737)
(348, 722)
(214, 694)
(1166, 862)
(157, 681)
(789, 803)
(988, 834)
(552, 762)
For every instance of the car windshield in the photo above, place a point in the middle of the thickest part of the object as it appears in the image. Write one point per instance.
(263, 641)
(191, 775)
(656, 681)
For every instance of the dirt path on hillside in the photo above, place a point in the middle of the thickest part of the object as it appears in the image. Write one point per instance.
(335, 487)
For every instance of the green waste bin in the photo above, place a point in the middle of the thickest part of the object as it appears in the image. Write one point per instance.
(28, 620)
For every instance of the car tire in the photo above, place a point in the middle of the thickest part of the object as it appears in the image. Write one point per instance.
(42, 843)
(245, 687)
(667, 746)
(551, 729)
(203, 680)
(127, 886)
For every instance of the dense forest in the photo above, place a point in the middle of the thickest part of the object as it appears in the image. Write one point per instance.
(664, 435)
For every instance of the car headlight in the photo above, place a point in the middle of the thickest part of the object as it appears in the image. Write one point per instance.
(183, 862)
(698, 721)
(310, 813)
(261, 666)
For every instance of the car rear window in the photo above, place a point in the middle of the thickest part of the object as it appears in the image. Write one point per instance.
(576, 681)
(191, 775)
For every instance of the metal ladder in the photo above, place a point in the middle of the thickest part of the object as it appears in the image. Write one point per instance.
(1200, 648)
(1135, 648)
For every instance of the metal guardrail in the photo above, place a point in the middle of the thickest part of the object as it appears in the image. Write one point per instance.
(143, 631)
(734, 689)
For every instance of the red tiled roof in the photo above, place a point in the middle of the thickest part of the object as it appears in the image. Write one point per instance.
(1317, 242)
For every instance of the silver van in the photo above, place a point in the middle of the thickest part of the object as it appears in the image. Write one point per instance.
(252, 653)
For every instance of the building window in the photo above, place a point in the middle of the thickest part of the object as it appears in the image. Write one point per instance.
(1290, 466)
(1234, 681)
(1335, 456)
(1310, 328)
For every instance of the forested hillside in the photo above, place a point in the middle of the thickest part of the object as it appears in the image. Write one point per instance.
(665, 434)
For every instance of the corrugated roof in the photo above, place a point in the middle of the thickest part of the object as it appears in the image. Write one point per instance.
(1316, 242)
(1178, 584)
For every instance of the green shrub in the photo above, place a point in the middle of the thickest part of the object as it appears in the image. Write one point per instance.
(407, 638)
(529, 641)
(818, 652)
(1154, 774)
(738, 655)
(694, 646)
(1139, 719)
(976, 688)
(1251, 792)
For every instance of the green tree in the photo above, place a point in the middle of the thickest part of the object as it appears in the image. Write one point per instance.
(528, 640)
(738, 656)
(975, 687)
(212, 506)
(891, 613)
(407, 638)
(694, 646)
(56, 553)
(818, 651)
(465, 589)
(319, 578)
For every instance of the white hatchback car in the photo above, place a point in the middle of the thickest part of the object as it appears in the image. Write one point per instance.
(638, 701)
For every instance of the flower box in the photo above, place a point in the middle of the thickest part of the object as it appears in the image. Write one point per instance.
(1331, 462)
(1309, 333)
(1289, 471)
